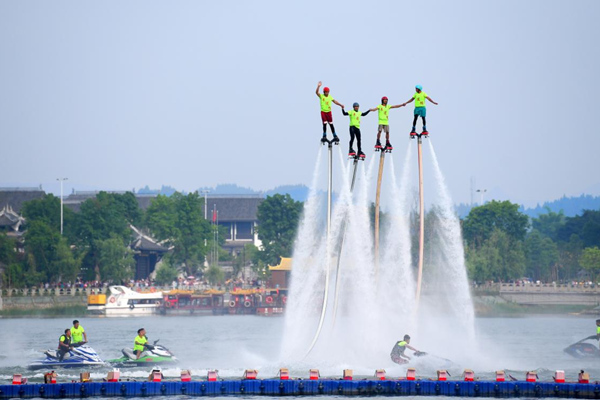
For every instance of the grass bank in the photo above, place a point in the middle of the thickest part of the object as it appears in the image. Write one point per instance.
(514, 309)
(69, 310)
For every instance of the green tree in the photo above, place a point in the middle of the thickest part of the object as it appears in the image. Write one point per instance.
(214, 274)
(590, 261)
(106, 216)
(12, 275)
(160, 217)
(115, 260)
(542, 256)
(482, 221)
(499, 258)
(569, 254)
(549, 224)
(47, 210)
(586, 226)
(179, 220)
(165, 274)
(49, 253)
(278, 218)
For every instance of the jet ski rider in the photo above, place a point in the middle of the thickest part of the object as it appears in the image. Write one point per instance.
(397, 355)
(64, 344)
(139, 343)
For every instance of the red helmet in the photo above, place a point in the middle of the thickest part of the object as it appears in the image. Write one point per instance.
(384, 98)
(325, 89)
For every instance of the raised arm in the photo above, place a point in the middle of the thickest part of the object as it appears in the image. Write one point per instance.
(344, 111)
(365, 113)
(339, 104)
(398, 105)
(318, 87)
(409, 101)
(431, 100)
(373, 109)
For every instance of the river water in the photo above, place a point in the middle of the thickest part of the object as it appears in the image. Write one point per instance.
(232, 344)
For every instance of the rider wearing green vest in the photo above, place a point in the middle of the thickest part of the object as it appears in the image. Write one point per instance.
(420, 109)
(326, 115)
(397, 355)
(64, 344)
(139, 343)
(384, 110)
(78, 334)
(355, 129)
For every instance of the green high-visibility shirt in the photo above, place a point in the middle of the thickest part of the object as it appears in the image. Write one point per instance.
(325, 102)
(420, 99)
(383, 113)
(77, 334)
(354, 118)
(598, 330)
(141, 340)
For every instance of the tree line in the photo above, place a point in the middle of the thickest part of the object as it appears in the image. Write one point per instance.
(501, 243)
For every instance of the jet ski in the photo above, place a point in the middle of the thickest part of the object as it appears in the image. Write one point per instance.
(154, 354)
(400, 360)
(78, 357)
(583, 350)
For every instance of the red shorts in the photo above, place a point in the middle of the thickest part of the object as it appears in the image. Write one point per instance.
(326, 116)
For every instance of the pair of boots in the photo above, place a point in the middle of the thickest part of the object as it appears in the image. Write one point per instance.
(388, 145)
(335, 139)
(352, 153)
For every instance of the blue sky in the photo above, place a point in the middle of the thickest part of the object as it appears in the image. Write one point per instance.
(117, 95)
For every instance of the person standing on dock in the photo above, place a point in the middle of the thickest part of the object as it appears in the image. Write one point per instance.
(326, 116)
(78, 335)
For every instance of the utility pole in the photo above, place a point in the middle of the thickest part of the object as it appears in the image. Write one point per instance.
(61, 180)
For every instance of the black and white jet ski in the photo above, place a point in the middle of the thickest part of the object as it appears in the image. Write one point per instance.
(77, 357)
(584, 350)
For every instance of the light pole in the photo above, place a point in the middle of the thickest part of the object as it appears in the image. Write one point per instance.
(205, 205)
(61, 180)
(481, 192)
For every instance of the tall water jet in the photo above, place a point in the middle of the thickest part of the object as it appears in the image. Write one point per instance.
(445, 278)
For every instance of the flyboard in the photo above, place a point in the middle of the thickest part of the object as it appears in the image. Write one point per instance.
(421, 215)
(387, 149)
(330, 144)
(337, 271)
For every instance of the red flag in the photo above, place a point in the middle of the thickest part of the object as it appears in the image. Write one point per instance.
(214, 216)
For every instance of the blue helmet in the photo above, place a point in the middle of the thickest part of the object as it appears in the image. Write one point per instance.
(355, 105)
(419, 87)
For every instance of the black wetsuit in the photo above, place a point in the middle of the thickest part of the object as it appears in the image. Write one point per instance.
(355, 132)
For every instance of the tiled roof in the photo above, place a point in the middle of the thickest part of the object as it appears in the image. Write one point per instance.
(234, 208)
(15, 197)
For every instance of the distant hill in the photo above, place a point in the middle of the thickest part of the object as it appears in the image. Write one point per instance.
(297, 192)
(229, 188)
(570, 206)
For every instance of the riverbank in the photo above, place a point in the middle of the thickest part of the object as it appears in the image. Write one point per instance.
(55, 311)
(496, 306)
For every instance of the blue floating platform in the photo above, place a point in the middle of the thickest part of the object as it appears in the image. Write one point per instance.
(298, 387)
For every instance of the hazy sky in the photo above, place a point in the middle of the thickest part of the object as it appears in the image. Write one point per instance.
(120, 94)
